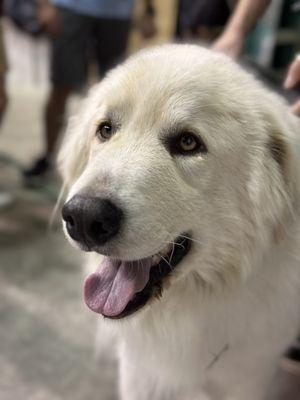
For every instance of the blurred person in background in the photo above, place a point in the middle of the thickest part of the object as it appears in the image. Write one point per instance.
(205, 19)
(232, 39)
(76, 29)
(242, 20)
(201, 19)
(245, 15)
(5, 197)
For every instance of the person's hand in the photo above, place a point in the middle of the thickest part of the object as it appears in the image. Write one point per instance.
(230, 43)
(48, 17)
(293, 79)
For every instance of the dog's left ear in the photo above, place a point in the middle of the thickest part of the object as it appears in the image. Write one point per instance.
(281, 169)
(274, 179)
(283, 146)
(279, 151)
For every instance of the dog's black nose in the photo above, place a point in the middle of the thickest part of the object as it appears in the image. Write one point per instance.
(91, 221)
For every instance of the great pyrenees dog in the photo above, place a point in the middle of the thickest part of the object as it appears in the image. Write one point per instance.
(183, 183)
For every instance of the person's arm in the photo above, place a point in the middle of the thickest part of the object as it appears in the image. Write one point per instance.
(242, 21)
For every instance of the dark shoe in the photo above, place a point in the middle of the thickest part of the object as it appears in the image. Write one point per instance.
(39, 168)
(35, 175)
(291, 359)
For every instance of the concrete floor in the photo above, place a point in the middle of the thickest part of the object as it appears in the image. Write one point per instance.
(46, 332)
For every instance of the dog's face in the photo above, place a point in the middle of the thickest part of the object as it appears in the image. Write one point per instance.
(176, 166)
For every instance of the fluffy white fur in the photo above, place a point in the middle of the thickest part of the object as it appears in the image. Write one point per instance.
(233, 304)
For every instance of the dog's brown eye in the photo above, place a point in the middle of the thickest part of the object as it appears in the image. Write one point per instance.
(187, 143)
(104, 130)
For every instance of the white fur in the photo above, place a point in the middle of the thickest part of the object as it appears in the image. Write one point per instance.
(236, 294)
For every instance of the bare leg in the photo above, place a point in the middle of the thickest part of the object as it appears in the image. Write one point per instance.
(54, 115)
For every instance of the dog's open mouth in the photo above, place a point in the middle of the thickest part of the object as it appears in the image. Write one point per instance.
(120, 288)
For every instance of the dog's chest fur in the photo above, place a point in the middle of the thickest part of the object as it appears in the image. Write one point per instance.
(191, 338)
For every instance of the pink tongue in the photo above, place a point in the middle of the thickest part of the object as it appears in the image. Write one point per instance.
(108, 290)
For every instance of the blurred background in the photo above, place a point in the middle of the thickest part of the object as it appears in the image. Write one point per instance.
(52, 52)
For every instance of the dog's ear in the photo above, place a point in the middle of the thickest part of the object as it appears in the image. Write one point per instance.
(273, 185)
(282, 145)
(279, 150)
(74, 151)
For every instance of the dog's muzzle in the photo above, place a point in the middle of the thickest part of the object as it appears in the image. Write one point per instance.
(91, 221)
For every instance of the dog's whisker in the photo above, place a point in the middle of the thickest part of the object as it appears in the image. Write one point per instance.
(176, 244)
(166, 261)
(186, 237)
(192, 239)
(173, 248)
(171, 242)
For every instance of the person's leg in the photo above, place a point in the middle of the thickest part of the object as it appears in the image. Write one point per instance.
(54, 115)
(111, 38)
(69, 65)
(53, 122)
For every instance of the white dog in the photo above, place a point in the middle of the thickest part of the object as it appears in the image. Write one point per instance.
(184, 173)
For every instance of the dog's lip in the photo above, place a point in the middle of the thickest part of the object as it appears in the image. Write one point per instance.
(131, 293)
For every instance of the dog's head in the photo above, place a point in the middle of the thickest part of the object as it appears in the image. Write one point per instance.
(179, 164)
